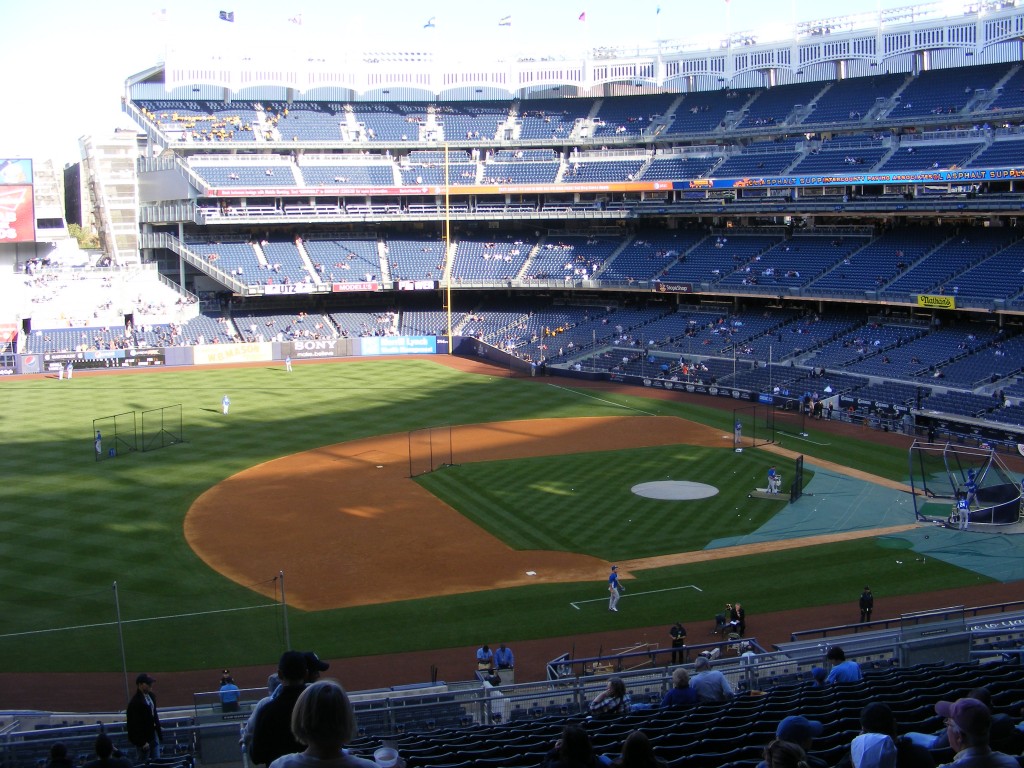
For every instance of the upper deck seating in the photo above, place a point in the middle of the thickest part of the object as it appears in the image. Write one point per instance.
(913, 156)
(390, 121)
(551, 118)
(472, 120)
(308, 120)
(631, 115)
(774, 105)
(948, 260)
(702, 112)
(678, 167)
(202, 121)
(345, 260)
(945, 91)
(880, 261)
(650, 254)
(850, 100)
(758, 160)
(566, 258)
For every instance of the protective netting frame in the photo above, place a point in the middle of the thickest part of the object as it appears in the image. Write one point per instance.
(939, 476)
(120, 429)
(430, 449)
(757, 422)
(161, 435)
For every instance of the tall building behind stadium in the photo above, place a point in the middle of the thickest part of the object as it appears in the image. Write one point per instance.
(835, 213)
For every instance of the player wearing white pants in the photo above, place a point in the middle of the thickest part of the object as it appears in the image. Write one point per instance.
(613, 589)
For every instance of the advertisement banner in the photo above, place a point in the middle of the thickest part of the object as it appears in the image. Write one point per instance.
(371, 285)
(104, 358)
(936, 302)
(17, 215)
(398, 345)
(285, 289)
(219, 354)
(8, 332)
(305, 349)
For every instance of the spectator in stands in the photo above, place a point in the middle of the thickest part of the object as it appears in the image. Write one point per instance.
(323, 720)
(572, 750)
(680, 694)
(314, 667)
(968, 726)
(842, 671)
(268, 731)
(613, 700)
(1003, 733)
(59, 757)
(873, 750)
(709, 684)
(798, 732)
(638, 752)
(783, 754)
(876, 719)
(143, 720)
(106, 755)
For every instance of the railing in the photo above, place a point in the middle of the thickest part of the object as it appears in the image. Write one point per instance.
(884, 624)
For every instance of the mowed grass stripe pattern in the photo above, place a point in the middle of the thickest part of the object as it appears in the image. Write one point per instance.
(71, 527)
(585, 503)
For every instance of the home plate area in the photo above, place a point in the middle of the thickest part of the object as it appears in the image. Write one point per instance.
(674, 490)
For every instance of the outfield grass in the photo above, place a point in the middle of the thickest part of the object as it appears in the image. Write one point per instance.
(71, 527)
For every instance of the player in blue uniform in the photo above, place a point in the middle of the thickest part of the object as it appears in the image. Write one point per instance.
(614, 588)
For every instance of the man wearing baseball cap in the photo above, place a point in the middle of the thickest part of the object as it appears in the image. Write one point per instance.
(143, 720)
(968, 722)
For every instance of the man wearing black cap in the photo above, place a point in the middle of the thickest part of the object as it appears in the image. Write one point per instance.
(143, 720)
(270, 727)
(314, 666)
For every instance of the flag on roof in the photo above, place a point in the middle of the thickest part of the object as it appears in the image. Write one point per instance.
(583, 16)
(227, 15)
(505, 21)
(430, 23)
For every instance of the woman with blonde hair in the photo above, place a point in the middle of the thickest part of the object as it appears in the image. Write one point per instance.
(323, 720)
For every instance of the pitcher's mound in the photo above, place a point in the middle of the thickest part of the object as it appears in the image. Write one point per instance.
(674, 490)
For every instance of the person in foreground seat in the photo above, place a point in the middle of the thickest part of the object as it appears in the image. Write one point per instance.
(968, 724)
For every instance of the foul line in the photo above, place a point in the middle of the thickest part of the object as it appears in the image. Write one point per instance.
(602, 400)
(800, 437)
(624, 595)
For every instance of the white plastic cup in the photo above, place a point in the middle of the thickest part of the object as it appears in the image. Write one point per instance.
(386, 757)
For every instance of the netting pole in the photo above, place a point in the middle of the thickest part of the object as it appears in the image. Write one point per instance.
(284, 613)
(120, 639)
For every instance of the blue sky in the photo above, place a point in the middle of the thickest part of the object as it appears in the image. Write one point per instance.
(84, 51)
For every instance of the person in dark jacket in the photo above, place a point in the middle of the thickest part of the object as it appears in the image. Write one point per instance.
(572, 750)
(272, 724)
(143, 720)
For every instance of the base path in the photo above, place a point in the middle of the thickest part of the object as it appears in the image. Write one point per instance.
(367, 516)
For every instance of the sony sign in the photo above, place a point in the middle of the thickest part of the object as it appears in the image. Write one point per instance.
(305, 348)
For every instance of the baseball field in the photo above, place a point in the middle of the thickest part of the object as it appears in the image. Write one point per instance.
(293, 520)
